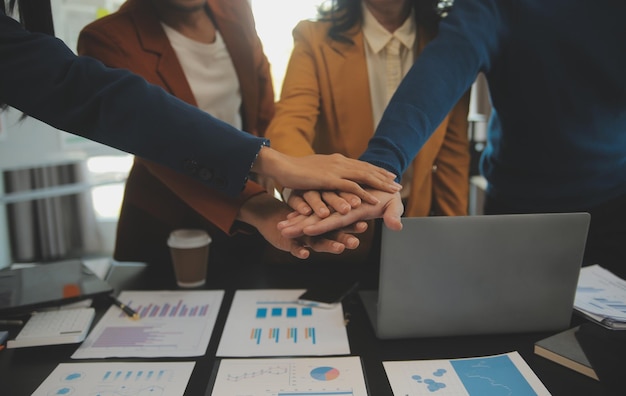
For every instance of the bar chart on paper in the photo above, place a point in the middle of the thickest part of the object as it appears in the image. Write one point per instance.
(128, 379)
(270, 323)
(173, 323)
(290, 333)
(339, 376)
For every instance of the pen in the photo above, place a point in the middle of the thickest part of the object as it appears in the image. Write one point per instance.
(132, 314)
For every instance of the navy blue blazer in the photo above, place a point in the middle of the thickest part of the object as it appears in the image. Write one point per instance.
(42, 77)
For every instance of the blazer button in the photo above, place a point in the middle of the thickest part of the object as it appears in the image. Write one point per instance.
(434, 168)
(205, 174)
(220, 182)
(191, 166)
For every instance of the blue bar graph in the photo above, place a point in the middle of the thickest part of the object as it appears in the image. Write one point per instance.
(277, 312)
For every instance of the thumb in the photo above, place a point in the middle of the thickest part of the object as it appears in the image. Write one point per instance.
(393, 214)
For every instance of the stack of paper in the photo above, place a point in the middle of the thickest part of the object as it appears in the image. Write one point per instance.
(601, 296)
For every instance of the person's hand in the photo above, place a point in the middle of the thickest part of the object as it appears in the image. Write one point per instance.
(322, 202)
(390, 208)
(333, 172)
(264, 212)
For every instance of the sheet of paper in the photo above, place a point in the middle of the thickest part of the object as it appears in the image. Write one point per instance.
(173, 323)
(497, 375)
(297, 376)
(117, 378)
(270, 323)
(602, 293)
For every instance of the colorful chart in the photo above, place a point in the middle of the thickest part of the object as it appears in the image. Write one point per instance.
(173, 323)
(268, 322)
(324, 373)
(117, 379)
(290, 377)
(497, 375)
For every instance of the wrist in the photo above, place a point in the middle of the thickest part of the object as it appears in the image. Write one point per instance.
(259, 208)
(264, 161)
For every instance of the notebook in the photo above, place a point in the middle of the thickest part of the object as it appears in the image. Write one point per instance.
(469, 275)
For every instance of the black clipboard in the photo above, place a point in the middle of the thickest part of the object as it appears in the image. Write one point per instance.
(46, 285)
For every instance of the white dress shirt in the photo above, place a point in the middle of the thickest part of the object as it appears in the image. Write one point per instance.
(376, 40)
(390, 63)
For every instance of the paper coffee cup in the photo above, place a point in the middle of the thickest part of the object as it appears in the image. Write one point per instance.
(190, 253)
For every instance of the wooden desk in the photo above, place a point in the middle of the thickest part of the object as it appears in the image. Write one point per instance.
(232, 268)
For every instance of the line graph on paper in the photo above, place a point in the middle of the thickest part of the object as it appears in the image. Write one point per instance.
(117, 379)
(340, 376)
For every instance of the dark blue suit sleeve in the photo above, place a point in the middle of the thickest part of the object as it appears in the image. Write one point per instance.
(467, 41)
(42, 77)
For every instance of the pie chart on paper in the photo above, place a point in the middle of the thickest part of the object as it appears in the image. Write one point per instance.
(324, 373)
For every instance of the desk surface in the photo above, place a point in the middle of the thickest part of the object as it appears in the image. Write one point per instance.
(232, 268)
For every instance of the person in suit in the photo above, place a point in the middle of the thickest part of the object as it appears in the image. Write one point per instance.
(208, 54)
(44, 79)
(556, 140)
(337, 85)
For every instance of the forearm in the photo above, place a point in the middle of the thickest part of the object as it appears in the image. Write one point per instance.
(117, 108)
(217, 208)
(262, 211)
(468, 39)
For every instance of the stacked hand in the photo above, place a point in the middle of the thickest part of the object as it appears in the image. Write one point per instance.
(389, 207)
(325, 172)
(264, 212)
(330, 201)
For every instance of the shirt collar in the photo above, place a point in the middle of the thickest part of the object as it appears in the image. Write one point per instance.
(377, 36)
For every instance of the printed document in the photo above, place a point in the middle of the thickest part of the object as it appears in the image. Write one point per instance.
(506, 374)
(297, 376)
(117, 378)
(601, 296)
(173, 324)
(271, 323)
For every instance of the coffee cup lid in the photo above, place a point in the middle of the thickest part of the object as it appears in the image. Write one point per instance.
(188, 238)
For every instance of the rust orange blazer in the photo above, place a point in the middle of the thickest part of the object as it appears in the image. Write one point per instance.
(325, 107)
(157, 200)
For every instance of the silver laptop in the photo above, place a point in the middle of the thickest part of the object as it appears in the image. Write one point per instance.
(447, 276)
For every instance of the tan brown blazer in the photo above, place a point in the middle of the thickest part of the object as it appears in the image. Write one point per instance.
(157, 200)
(325, 107)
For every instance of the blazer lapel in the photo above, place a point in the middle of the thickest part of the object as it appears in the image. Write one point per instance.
(349, 83)
(154, 40)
